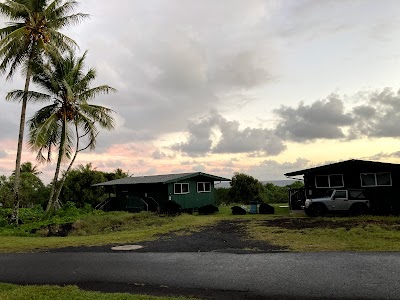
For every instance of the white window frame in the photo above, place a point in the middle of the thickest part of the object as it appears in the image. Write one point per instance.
(376, 179)
(204, 187)
(181, 184)
(329, 181)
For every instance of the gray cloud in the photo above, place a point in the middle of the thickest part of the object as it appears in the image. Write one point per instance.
(272, 170)
(323, 119)
(158, 155)
(379, 116)
(242, 71)
(232, 139)
(173, 66)
(381, 155)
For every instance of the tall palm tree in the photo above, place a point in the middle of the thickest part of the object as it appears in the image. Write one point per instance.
(32, 31)
(70, 118)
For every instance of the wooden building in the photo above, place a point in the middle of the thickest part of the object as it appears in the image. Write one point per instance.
(150, 193)
(380, 181)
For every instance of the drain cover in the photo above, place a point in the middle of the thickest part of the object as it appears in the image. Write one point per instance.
(126, 247)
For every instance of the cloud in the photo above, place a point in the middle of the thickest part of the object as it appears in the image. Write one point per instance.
(381, 155)
(159, 155)
(215, 134)
(379, 116)
(323, 119)
(272, 170)
(241, 71)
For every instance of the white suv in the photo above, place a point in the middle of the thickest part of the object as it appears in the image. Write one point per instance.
(351, 201)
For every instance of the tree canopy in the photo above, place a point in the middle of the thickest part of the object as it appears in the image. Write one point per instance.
(245, 188)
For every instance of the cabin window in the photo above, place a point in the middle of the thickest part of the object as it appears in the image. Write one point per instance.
(204, 187)
(181, 188)
(329, 181)
(376, 179)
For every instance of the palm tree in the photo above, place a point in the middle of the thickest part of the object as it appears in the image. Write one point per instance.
(28, 167)
(32, 31)
(70, 118)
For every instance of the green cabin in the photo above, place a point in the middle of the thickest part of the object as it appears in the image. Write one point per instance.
(151, 193)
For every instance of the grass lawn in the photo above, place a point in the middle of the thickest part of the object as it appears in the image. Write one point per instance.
(111, 228)
(298, 233)
(365, 233)
(16, 292)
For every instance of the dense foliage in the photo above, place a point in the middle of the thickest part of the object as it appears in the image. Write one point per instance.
(77, 189)
(245, 188)
(280, 194)
(78, 186)
(32, 190)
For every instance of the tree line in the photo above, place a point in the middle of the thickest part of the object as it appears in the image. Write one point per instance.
(77, 186)
(245, 188)
(33, 43)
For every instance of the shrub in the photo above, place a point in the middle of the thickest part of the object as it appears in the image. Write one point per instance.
(172, 208)
(265, 208)
(208, 209)
(237, 210)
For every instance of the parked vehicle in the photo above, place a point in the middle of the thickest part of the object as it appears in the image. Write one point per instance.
(350, 201)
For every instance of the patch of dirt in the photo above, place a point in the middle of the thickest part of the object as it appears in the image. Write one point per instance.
(304, 223)
(225, 236)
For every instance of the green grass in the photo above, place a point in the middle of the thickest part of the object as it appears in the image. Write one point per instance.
(99, 228)
(108, 228)
(16, 292)
(367, 233)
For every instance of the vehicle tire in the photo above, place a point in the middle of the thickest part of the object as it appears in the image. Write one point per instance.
(318, 209)
(309, 212)
(358, 209)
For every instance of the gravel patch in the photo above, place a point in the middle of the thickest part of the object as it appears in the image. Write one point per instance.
(225, 236)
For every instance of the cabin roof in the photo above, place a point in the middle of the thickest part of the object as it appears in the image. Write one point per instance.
(345, 163)
(167, 178)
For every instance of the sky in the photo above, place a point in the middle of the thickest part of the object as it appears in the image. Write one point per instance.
(259, 87)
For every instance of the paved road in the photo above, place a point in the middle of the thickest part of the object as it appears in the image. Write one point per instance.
(248, 276)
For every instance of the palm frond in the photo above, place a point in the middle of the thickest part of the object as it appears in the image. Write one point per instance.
(17, 95)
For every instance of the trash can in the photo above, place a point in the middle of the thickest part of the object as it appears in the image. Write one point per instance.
(253, 207)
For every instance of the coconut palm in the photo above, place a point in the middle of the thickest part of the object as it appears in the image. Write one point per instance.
(70, 117)
(28, 167)
(32, 31)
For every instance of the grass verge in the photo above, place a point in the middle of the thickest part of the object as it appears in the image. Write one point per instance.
(366, 233)
(34, 292)
(99, 228)
(112, 228)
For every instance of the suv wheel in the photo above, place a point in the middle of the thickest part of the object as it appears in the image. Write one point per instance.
(318, 209)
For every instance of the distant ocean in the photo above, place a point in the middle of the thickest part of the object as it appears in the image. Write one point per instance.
(283, 182)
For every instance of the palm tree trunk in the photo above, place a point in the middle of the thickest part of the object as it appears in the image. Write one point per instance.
(17, 178)
(59, 188)
(52, 199)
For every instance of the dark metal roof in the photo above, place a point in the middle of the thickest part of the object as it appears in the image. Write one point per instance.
(342, 163)
(158, 179)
